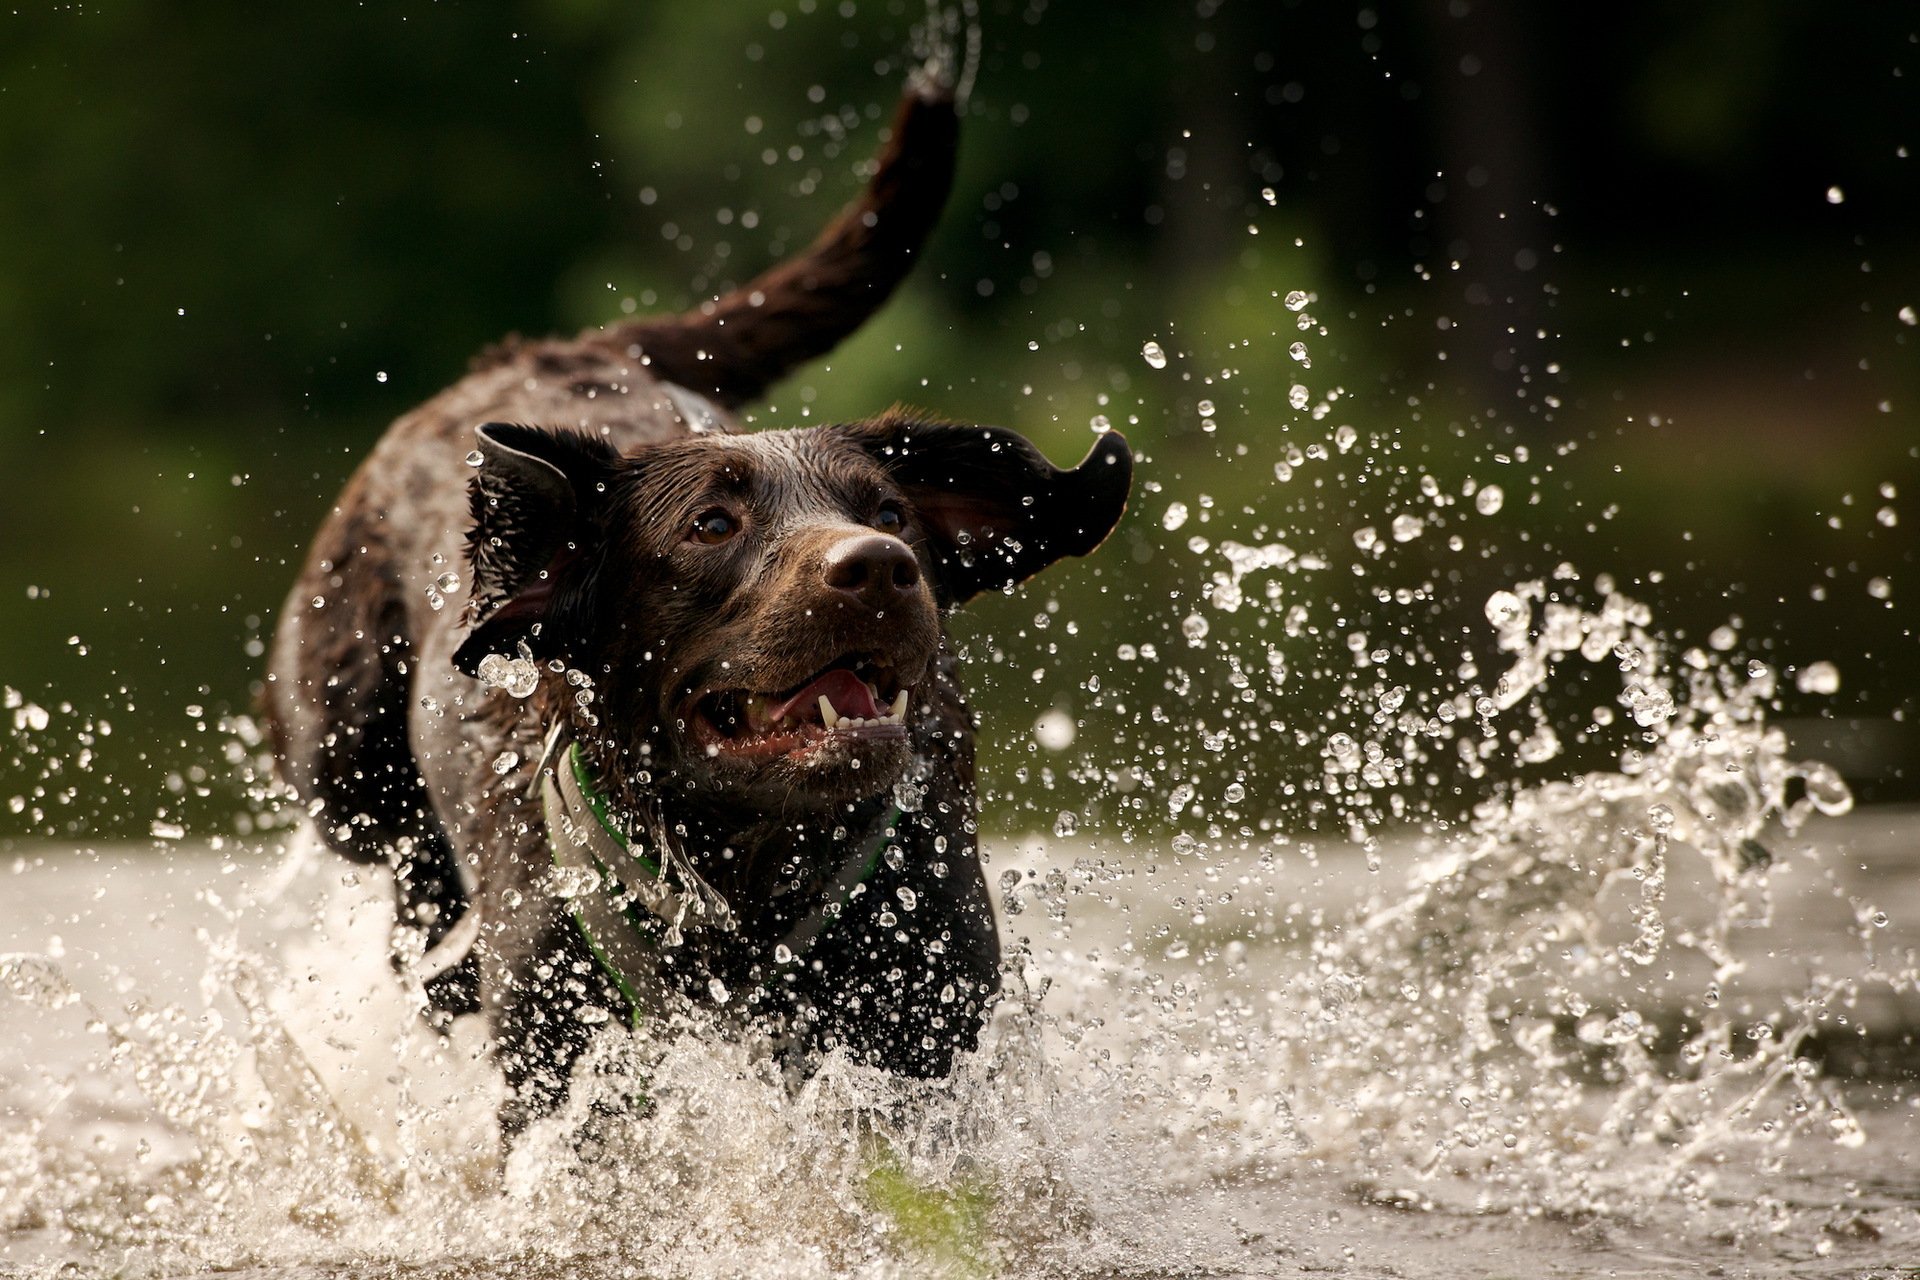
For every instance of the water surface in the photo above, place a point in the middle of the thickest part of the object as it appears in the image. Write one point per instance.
(213, 1070)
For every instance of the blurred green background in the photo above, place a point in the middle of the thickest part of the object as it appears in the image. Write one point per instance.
(1644, 267)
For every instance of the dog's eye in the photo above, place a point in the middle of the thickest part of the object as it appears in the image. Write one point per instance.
(890, 519)
(713, 527)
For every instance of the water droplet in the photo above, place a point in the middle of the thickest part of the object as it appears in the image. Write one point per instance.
(783, 954)
(1489, 500)
(1175, 517)
(1065, 823)
(37, 980)
(1660, 817)
(1297, 300)
(518, 676)
(1506, 610)
(1407, 527)
(506, 762)
(1054, 730)
(1836, 196)
(1344, 437)
(475, 458)
(1154, 355)
(1299, 352)
(718, 990)
(448, 581)
(435, 601)
(572, 882)
(1827, 789)
(1194, 628)
(1887, 516)
(1650, 704)
(1234, 793)
(1298, 396)
(1818, 677)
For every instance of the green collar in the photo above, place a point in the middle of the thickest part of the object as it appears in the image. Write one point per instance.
(629, 906)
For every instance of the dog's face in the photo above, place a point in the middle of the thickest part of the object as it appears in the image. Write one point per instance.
(760, 614)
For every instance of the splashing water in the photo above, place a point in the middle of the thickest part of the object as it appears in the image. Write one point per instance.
(1550, 1020)
(1225, 1041)
(306, 1133)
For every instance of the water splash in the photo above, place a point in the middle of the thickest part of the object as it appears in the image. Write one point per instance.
(1556, 1016)
(320, 1133)
(1553, 1018)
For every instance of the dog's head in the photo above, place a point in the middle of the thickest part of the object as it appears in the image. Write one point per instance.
(760, 614)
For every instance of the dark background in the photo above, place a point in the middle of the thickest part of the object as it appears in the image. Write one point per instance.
(1643, 265)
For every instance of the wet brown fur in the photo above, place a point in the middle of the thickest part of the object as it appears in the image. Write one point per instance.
(572, 540)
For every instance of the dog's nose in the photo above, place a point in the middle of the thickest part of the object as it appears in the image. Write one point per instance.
(872, 568)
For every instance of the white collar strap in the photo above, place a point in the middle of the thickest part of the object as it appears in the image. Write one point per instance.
(628, 906)
(585, 838)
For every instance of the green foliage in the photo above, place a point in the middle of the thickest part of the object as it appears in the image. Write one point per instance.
(240, 239)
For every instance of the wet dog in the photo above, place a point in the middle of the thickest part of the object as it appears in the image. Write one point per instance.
(696, 735)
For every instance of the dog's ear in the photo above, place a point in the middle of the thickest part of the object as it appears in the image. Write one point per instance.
(533, 499)
(994, 510)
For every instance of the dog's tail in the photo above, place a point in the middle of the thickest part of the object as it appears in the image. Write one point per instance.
(733, 347)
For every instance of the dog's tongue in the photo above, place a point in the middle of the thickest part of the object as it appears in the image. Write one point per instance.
(847, 692)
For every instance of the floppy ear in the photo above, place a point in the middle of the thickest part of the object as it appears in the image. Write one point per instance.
(532, 500)
(994, 510)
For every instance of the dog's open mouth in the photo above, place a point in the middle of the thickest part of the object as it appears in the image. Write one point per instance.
(856, 697)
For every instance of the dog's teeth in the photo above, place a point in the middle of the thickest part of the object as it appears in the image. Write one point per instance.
(828, 716)
(899, 711)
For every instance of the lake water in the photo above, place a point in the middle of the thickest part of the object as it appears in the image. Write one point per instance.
(1347, 1061)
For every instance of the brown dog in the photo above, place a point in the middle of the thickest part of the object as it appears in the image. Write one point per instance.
(697, 736)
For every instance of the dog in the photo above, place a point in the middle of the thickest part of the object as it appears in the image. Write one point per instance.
(696, 736)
